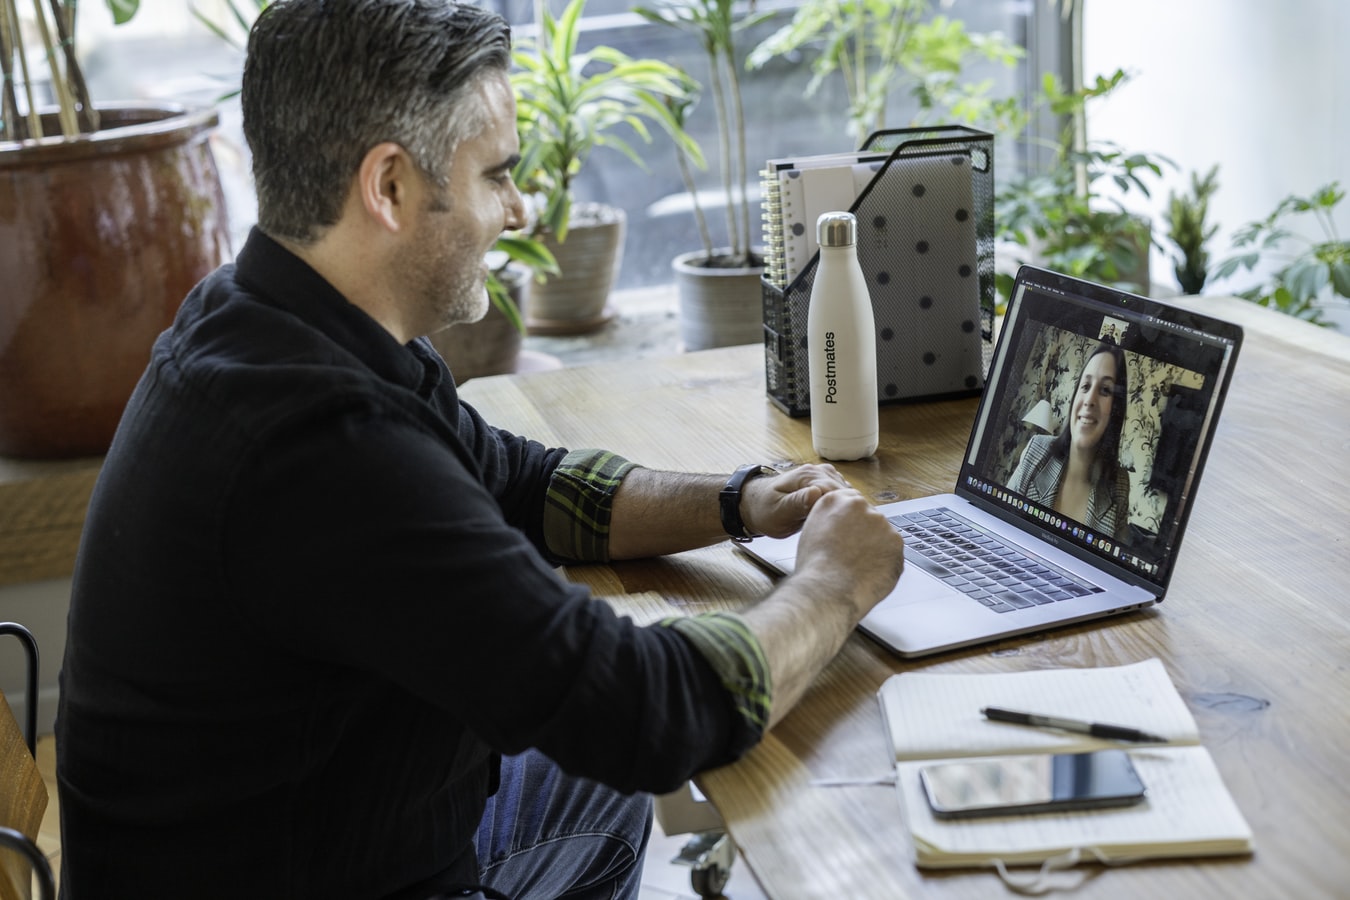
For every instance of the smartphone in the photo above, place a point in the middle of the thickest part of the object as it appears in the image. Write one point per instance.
(995, 786)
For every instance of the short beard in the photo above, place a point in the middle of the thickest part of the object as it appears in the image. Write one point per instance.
(448, 294)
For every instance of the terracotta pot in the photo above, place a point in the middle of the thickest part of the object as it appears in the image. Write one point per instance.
(101, 237)
(721, 304)
(575, 301)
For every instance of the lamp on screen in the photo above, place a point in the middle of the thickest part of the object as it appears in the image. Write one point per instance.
(1038, 417)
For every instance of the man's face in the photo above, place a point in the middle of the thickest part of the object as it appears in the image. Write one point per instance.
(458, 224)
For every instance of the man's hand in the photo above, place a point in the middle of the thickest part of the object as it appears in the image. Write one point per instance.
(777, 506)
(855, 547)
(848, 558)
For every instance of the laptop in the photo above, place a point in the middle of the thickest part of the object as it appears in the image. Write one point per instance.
(1021, 544)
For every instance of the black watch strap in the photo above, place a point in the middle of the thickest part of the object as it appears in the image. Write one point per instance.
(729, 500)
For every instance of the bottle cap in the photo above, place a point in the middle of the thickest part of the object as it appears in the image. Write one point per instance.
(836, 229)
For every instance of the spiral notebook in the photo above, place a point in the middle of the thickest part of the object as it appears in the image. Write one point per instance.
(794, 192)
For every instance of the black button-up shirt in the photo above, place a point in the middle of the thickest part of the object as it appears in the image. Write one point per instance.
(312, 601)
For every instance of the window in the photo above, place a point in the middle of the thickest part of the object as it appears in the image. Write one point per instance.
(780, 122)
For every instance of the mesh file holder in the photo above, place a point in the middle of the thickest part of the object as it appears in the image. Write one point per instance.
(925, 241)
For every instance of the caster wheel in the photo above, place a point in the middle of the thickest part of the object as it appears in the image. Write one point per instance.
(709, 856)
(709, 882)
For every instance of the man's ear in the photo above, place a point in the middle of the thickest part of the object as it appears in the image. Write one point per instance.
(385, 184)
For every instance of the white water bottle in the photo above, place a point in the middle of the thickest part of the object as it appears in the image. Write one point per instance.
(841, 346)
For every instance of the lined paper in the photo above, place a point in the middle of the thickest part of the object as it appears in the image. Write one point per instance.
(930, 716)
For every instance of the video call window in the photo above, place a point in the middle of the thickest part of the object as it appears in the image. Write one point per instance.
(1145, 453)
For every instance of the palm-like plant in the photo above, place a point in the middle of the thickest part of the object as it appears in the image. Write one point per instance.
(569, 103)
(516, 248)
(75, 110)
(1190, 231)
(714, 23)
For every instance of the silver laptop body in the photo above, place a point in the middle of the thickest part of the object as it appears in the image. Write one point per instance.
(996, 561)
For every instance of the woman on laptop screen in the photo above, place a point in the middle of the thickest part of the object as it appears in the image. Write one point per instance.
(1078, 472)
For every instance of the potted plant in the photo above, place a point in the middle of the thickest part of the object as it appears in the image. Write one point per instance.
(113, 212)
(569, 103)
(1189, 231)
(1314, 282)
(1061, 219)
(719, 286)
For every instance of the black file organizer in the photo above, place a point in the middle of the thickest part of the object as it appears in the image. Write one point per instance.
(906, 370)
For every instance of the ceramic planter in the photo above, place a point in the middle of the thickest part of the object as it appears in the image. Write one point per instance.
(575, 301)
(101, 237)
(720, 305)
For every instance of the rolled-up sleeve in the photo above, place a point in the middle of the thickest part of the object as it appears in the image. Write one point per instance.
(577, 514)
(734, 652)
(580, 502)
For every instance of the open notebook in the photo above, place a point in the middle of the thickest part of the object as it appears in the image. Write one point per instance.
(1187, 810)
(999, 555)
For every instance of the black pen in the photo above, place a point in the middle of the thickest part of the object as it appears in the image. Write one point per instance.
(1096, 729)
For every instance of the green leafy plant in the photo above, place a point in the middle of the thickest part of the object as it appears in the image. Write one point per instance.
(878, 45)
(1189, 231)
(1060, 218)
(569, 103)
(525, 251)
(715, 24)
(1320, 269)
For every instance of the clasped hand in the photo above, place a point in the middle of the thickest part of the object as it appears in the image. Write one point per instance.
(845, 540)
(777, 506)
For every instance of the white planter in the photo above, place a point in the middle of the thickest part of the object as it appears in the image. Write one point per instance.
(720, 306)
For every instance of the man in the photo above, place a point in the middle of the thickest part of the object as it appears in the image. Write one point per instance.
(316, 605)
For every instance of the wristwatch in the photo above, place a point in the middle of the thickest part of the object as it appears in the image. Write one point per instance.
(729, 500)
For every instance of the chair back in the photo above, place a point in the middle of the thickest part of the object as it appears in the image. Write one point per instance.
(23, 797)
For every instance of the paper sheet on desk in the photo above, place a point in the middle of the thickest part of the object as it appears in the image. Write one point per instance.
(933, 715)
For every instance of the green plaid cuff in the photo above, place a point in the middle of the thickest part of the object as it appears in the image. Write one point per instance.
(579, 502)
(735, 654)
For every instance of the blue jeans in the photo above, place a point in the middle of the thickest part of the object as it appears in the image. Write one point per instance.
(546, 834)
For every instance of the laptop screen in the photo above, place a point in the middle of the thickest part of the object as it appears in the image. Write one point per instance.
(1099, 412)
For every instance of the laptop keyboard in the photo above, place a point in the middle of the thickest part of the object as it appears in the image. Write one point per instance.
(980, 565)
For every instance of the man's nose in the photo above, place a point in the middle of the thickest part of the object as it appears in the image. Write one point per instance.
(515, 210)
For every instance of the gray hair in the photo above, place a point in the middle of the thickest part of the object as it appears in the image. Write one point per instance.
(327, 80)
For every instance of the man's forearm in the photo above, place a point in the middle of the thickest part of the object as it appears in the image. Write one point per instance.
(799, 631)
(656, 513)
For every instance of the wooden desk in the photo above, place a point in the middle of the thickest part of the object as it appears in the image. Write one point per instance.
(1254, 630)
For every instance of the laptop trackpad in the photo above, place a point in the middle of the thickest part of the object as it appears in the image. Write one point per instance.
(916, 586)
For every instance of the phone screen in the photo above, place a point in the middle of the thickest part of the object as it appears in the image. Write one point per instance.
(1033, 783)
